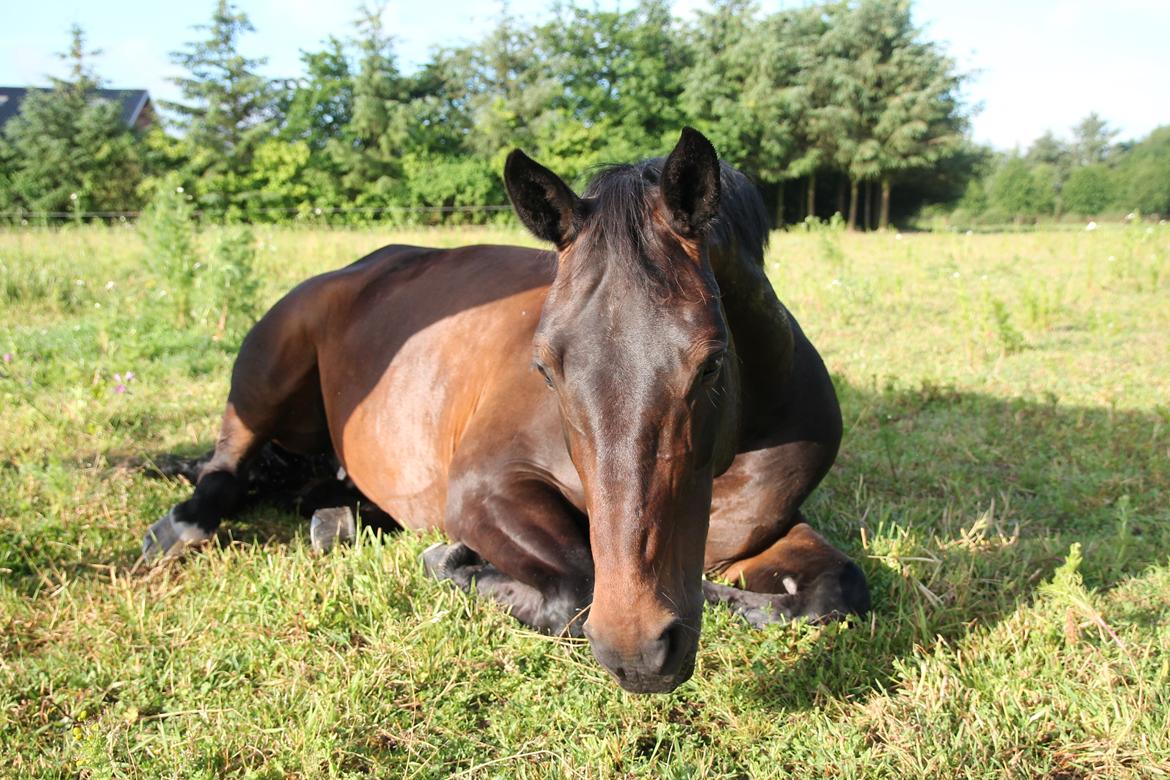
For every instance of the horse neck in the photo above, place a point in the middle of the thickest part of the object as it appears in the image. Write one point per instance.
(760, 330)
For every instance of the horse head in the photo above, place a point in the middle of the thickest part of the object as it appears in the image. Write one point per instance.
(634, 342)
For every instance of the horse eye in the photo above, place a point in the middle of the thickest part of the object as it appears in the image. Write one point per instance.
(711, 370)
(544, 373)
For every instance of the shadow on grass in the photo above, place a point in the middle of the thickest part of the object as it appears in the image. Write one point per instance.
(969, 503)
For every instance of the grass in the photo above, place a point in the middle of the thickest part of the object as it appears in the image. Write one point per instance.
(1004, 482)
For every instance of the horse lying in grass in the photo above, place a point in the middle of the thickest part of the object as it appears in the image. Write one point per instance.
(593, 429)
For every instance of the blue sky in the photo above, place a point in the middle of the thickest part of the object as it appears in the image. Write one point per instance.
(1038, 65)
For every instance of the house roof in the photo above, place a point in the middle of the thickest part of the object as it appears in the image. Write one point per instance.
(133, 102)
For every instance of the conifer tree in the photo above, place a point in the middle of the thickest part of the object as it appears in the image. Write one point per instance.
(226, 109)
(68, 149)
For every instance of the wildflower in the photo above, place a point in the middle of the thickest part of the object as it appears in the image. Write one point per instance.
(1091, 226)
(110, 285)
(73, 196)
(121, 388)
(179, 190)
(7, 357)
(129, 375)
(897, 236)
(118, 378)
(1130, 217)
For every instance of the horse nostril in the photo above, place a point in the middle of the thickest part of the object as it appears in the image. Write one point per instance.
(673, 644)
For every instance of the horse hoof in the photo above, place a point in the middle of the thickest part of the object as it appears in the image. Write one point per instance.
(330, 527)
(836, 595)
(170, 538)
(441, 561)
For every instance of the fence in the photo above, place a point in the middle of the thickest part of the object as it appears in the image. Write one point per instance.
(348, 214)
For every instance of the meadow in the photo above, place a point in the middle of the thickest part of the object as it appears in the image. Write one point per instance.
(1004, 482)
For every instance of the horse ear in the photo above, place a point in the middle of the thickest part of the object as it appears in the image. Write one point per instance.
(690, 183)
(544, 203)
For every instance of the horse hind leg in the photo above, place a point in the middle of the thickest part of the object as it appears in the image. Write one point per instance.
(219, 489)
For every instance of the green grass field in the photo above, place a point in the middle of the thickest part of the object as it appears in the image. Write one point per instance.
(1004, 482)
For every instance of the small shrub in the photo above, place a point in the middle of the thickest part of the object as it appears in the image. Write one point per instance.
(232, 284)
(168, 230)
(1010, 339)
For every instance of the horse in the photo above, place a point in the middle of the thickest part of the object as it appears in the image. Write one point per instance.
(594, 428)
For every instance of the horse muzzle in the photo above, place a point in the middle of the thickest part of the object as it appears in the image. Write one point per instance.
(658, 665)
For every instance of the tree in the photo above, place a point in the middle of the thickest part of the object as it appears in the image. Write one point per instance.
(1143, 175)
(226, 112)
(68, 149)
(1088, 191)
(1092, 140)
(889, 102)
(749, 89)
(1019, 190)
(369, 151)
(317, 107)
(620, 74)
(1050, 151)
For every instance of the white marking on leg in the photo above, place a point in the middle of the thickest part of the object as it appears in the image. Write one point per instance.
(789, 585)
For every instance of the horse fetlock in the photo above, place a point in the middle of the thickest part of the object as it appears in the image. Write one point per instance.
(171, 537)
(758, 609)
(331, 527)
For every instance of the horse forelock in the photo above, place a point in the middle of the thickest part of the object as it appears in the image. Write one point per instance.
(624, 225)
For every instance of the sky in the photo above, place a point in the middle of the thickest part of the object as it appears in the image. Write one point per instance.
(1036, 65)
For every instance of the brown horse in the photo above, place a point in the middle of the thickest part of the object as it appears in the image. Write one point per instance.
(592, 429)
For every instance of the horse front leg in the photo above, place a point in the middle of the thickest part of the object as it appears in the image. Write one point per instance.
(519, 544)
(800, 575)
(760, 544)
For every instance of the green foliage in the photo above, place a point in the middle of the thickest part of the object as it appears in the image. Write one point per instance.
(1088, 191)
(168, 232)
(1018, 190)
(225, 114)
(1142, 180)
(846, 96)
(232, 284)
(68, 150)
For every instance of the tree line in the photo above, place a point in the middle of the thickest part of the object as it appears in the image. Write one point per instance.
(1089, 175)
(839, 107)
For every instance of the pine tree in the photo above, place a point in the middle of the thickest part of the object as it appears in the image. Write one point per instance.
(369, 150)
(69, 150)
(226, 111)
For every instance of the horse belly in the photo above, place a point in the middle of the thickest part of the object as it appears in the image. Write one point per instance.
(397, 440)
(394, 443)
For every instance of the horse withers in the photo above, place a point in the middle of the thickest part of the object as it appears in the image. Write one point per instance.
(593, 428)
